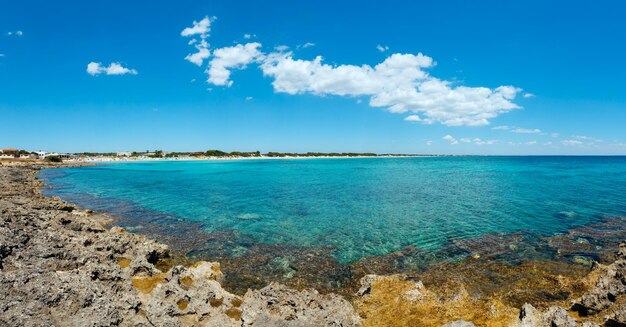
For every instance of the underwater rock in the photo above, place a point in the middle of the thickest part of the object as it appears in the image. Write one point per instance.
(249, 216)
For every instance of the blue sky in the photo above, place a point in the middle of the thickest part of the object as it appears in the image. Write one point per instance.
(486, 77)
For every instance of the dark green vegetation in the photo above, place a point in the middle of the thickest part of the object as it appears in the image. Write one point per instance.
(234, 154)
(94, 154)
(320, 154)
(53, 159)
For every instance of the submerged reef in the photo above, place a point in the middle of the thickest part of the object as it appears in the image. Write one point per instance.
(64, 266)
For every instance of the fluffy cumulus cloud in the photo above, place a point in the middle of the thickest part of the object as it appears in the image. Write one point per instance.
(203, 27)
(115, 68)
(229, 58)
(400, 83)
(200, 32)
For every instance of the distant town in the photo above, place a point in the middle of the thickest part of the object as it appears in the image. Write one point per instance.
(12, 153)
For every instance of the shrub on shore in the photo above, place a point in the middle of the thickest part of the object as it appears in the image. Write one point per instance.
(53, 159)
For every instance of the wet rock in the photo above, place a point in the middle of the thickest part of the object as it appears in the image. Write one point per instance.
(610, 285)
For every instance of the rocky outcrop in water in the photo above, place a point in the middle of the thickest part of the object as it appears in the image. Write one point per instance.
(396, 299)
(60, 266)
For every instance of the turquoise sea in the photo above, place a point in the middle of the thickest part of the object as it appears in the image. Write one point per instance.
(358, 207)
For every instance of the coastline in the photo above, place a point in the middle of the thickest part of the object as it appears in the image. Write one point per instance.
(69, 262)
(129, 160)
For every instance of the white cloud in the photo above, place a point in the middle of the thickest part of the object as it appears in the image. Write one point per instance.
(526, 130)
(247, 36)
(248, 98)
(198, 57)
(382, 48)
(228, 58)
(400, 83)
(281, 48)
(501, 128)
(429, 142)
(529, 95)
(115, 68)
(478, 141)
(450, 139)
(571, 142)
(587, 138)
(16, 33)
(308, 45)
(413, 118)
(531, 143)
(201, 28)
(555, 135)
(520, 130)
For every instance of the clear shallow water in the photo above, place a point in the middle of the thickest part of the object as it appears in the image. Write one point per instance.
(366, 206)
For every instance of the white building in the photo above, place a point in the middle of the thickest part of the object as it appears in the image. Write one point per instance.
(44, 154)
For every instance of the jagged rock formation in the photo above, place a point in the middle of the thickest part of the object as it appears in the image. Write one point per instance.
(59, 266)
(397, 299)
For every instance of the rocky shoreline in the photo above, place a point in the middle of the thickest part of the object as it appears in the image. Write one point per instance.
(63, 266)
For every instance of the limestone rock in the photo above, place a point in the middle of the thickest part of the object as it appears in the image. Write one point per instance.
(459, 323)
(607, 288)
(551, 317)
(277, 305)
